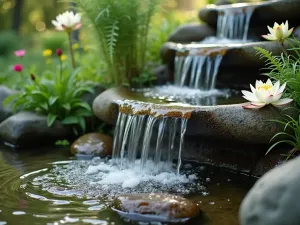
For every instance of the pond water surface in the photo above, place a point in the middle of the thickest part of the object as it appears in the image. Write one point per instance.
(30, 192)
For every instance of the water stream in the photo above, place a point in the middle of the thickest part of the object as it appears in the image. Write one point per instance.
(233, 23)
(199, 71)
(150, 139)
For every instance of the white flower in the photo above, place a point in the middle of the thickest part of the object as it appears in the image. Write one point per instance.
(264, 94)
(67, 21)
(279, 32)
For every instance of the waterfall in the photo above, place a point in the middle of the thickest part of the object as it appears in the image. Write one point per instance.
(233, 23)
(148, 138)
(197, 71)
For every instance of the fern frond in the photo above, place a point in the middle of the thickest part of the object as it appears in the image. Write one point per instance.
(111, 38)
(272, 61)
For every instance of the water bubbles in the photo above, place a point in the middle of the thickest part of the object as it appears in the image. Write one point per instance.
(211, 203)
(95, 222)
(3, 223)
(208, 180)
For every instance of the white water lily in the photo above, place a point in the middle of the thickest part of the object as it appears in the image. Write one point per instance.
(279, 32)
(265, 94)
(67, 21)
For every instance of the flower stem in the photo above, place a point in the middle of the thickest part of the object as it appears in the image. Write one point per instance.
(60, 69)
(71, 50)
(283, 49)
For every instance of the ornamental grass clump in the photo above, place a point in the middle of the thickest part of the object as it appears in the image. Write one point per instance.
(121, 29)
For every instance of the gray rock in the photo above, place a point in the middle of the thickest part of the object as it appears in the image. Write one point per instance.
(274, 199)
(156, 207)
(192, 33)
(266, 13)
(224, 122)
(90, 97)
(297, 32)
(7, 111)
(30, 129)
(104, 107)
(162, 74)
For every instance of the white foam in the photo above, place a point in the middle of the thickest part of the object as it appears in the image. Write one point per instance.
(108, 173)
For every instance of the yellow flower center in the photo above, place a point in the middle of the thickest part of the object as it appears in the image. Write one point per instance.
(265, 87)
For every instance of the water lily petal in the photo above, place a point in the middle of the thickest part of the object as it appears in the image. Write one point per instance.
(252, 106)
(269, 37)
(281, 89)
(249, 96)
(252, 88)
(276, 87)
(282, 102)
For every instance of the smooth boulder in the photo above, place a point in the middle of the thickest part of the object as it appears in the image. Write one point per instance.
(266, 13)
(5, 111)
(274, 199)
(156, 207)
(31, 129)
(93, 144)
(192, 33)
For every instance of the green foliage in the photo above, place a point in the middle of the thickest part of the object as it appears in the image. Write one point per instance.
(63, 143)
(54, 41)
(161, 28)
(290, 135)
(57, 95)
(285, 69)
(9, 41)
(121, 29)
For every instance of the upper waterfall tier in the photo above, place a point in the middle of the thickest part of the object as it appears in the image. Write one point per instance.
(265, 13)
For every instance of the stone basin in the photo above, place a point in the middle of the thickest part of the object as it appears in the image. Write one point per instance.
(224, 122)
(266, 13)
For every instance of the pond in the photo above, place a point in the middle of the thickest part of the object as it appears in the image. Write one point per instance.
(30, 192)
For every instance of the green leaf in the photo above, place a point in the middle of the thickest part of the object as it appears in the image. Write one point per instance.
(70, 120)
(62, 143)
(67, 106)
(82, 125)
(51, 119)
(83, 105)
(52, 100)
(10, 98)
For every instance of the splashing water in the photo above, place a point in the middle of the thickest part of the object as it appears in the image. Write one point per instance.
(137, 136)
(233, 22)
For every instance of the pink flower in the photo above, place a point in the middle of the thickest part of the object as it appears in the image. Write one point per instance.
(18, 68)
(59, 52)
(20, 53)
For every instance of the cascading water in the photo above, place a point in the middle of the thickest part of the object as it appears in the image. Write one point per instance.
(137, 137)
(233, 23)
(202, 71)
(150, 133)
(199, 71)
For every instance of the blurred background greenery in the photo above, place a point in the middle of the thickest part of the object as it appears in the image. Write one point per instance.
(26, 24)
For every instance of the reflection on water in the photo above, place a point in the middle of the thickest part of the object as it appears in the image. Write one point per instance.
(53, 202)
(171, 93)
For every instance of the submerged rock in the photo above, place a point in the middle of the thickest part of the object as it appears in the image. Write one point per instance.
(7, 111)
(93, 144)
(30, 129)
(192, 32)
(156, 207)
(274, 199)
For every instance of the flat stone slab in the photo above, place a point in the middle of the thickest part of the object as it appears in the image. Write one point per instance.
(236, 55)
(226, 122)
(192, 32)
(274, 199)
(30, 129)
(266, 12)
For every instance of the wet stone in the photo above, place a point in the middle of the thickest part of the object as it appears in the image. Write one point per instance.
(156, 207)
(93, 144)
